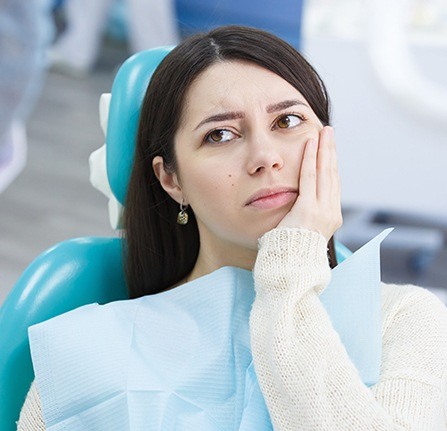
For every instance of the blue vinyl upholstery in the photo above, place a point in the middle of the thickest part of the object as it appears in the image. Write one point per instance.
(70, 274)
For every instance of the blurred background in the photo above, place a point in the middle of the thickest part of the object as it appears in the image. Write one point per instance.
(384, 63)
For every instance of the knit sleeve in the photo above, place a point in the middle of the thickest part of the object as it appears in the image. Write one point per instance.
(31, 418)
(306, 376)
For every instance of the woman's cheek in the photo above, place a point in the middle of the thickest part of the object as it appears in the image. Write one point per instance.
(313, 133)
(306, 132)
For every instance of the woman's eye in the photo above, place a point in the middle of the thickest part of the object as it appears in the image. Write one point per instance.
(220, 135)
(288, 121)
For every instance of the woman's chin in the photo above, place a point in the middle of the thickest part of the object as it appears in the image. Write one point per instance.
(268, 225)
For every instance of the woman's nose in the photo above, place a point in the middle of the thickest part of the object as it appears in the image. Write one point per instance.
(263, 155)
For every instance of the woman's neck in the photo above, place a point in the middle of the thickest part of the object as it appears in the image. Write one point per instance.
(212, 258)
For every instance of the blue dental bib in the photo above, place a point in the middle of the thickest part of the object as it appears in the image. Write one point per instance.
(181, 360)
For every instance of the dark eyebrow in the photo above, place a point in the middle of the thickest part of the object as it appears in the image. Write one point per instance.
(236, 115)
(225, 116)
(284, 105)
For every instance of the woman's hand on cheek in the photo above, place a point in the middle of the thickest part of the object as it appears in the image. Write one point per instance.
(318, 205)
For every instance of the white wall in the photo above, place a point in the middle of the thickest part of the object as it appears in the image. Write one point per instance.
(392, 156)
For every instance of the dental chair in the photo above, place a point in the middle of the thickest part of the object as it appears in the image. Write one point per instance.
(83, 270)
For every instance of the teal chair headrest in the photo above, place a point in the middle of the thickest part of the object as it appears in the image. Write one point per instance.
(128, 90)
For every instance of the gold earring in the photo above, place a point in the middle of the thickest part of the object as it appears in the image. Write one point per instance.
(182, 216)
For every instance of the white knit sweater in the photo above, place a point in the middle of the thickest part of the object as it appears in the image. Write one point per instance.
(306, 376)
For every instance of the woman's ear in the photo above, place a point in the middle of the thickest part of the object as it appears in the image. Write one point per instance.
(168, 181)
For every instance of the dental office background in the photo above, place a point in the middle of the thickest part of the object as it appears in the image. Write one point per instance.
(385, 65)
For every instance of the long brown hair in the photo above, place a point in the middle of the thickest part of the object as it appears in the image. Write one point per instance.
(158, 251)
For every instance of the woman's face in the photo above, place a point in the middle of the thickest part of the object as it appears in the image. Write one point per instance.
(241, 137)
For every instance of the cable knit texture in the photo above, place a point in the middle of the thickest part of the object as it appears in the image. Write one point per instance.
(306, 376)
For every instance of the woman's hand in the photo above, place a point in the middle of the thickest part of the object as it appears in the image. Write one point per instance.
(318, 205)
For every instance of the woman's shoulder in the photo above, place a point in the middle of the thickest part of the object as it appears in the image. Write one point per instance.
(84, 326)
(396, 298)
(413, 310)
(414, 302)
(414, 330)
(94, 311)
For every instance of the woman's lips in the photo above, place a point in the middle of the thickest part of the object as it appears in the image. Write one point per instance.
(275, 200)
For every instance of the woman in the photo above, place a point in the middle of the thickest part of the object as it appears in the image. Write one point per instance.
(235, 169)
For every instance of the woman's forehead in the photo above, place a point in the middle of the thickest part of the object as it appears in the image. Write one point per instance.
(233, 85)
